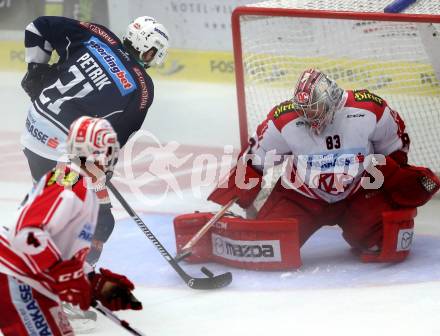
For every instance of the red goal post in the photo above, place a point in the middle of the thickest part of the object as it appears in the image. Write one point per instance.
(397, 56)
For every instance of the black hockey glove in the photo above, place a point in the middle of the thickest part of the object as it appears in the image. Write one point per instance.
(37, 78)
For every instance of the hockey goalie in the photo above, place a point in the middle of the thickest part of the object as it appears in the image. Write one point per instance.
(344, 155)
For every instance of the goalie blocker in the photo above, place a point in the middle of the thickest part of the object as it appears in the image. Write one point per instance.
(270, 245)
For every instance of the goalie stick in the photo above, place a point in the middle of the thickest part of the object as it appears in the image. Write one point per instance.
(211, 282)
(187, 249)
(111, 316)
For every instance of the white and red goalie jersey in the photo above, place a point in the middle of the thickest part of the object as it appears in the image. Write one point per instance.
(329, 165)
(56, 223)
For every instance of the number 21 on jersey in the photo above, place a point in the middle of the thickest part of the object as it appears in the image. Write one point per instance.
(82, 89)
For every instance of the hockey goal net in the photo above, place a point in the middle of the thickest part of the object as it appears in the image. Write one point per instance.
(397, 56)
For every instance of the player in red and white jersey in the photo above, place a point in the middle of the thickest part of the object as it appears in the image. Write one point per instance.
(327, 135)
(42, 254)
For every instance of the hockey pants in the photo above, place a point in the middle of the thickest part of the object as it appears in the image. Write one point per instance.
(360, 216)
(24, 311)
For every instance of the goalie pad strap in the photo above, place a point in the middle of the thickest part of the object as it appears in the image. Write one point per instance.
(242, 243)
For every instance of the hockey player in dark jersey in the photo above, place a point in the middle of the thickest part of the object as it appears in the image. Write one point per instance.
(97, 75)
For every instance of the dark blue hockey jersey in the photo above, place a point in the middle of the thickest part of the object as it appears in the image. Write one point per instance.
(94, 76)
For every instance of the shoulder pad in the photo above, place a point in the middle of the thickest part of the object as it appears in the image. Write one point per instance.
(285, 107)
(103, 32)
(283, 113)
(367, 96)
(368, 101)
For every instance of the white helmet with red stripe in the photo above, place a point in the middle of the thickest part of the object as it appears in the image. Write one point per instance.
(95, 140)
(316, 96)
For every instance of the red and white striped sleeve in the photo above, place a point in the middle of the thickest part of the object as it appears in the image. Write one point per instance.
(390, 137)
(268, 137)
(45, 216)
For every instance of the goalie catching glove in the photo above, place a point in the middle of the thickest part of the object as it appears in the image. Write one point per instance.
(408, 186)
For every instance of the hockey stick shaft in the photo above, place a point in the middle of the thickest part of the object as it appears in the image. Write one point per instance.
(189, 245)
(111, 316)
(145, 229)
(211, 282)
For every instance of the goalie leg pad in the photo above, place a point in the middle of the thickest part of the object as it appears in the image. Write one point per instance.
(185, 227)
(398, 231)
(309, 213)
(362, 224)
(243, 243)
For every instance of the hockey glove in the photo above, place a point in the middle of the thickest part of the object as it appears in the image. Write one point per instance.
(70, 283)
(114, 291)
(36, 78)
(243, 182)
(409, 186)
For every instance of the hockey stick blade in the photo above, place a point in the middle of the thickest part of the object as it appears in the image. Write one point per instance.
(211, 282)
(207, 272)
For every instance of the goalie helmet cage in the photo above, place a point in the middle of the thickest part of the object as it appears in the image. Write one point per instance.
(396, 56)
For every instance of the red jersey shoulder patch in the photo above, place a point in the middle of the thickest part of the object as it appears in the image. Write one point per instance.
(366, 100)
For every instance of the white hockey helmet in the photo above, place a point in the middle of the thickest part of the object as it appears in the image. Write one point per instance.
(94, 140)
(316, 96)
(145, 33)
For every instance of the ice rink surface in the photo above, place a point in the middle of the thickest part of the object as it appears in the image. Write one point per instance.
(332, 294)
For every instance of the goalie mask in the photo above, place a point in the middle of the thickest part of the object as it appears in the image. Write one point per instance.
(316, 96)
(93, 140)
(147, 40)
